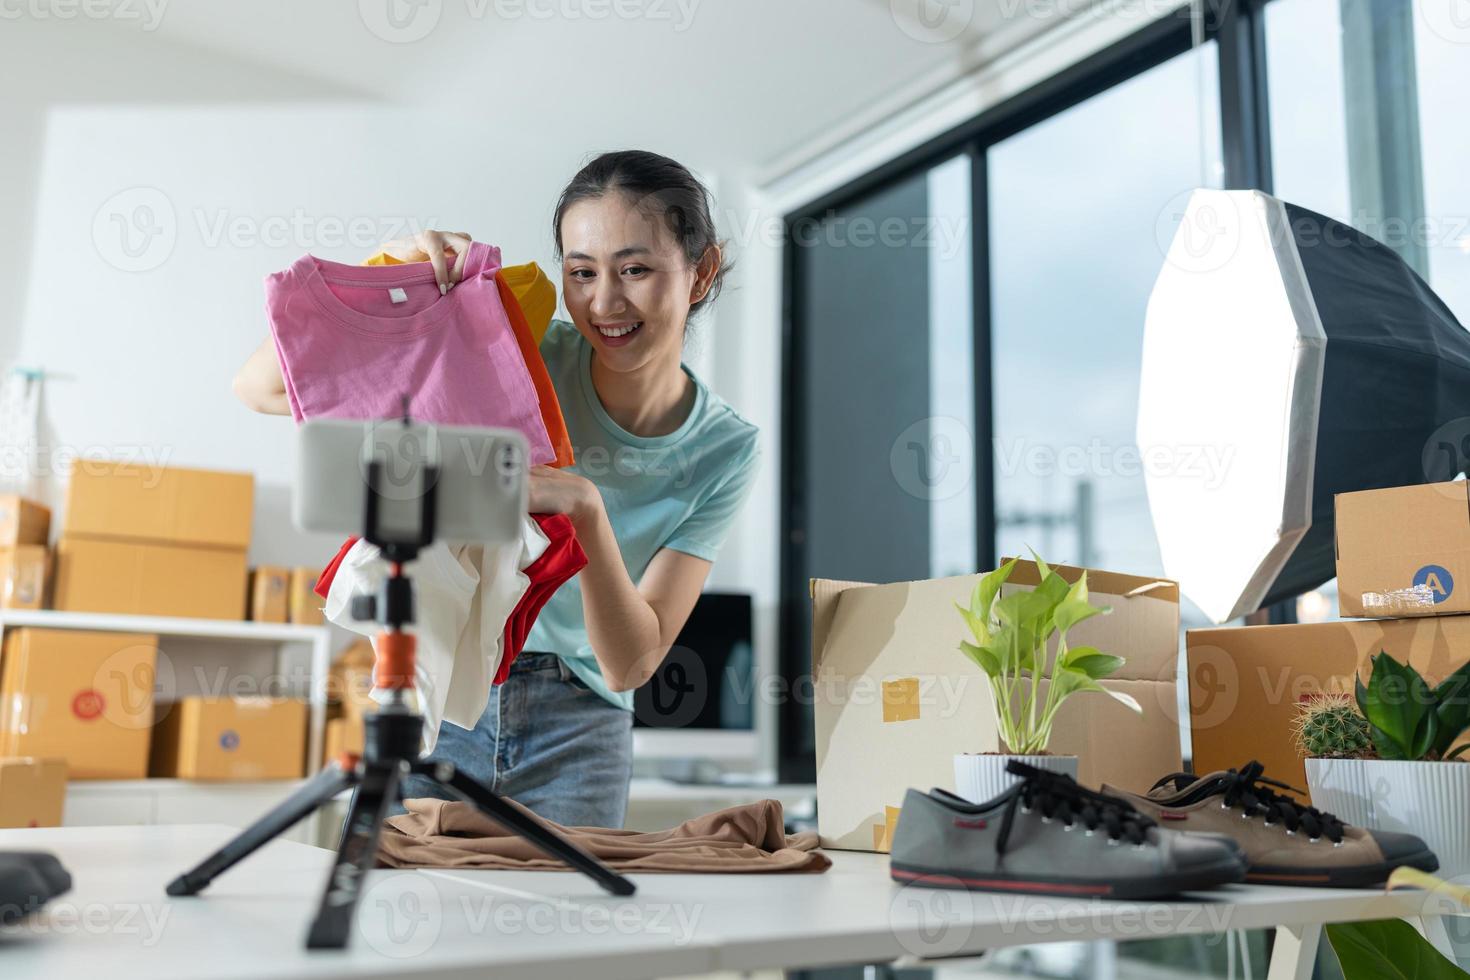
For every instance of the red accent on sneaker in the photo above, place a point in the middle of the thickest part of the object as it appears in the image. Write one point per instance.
(1172, 815)
(976, 824)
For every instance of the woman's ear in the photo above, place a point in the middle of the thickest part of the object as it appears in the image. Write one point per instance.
(704, 273)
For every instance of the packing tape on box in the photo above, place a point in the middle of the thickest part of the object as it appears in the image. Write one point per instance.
(1399, 600)
(883, 832)
(901, 700)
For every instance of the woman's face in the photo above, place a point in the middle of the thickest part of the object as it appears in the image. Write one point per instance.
(626, 282)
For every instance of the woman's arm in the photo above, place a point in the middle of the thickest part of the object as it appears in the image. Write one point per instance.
(630, 627)
(259, 383)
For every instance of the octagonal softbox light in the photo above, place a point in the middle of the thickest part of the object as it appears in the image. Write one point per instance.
(1287, 357)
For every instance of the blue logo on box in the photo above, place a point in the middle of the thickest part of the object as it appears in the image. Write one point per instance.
(229, 740)
(1440, 582)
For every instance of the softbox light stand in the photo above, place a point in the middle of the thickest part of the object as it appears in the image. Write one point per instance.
(1310, 360)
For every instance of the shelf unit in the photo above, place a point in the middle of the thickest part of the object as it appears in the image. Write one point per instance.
(276, 635)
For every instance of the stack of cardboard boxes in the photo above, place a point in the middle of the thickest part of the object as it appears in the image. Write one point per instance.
(24, 564)
(79, 704)
(285, 595)
(1403, 554)
(153, 540)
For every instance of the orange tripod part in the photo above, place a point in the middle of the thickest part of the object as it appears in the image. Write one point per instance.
(394, 667)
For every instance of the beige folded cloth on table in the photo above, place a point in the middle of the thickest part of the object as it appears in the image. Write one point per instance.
(750, 838)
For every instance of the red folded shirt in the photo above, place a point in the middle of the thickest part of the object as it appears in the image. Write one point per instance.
(562, 559)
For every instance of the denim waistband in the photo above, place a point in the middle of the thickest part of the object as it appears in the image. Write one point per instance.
(535, 660)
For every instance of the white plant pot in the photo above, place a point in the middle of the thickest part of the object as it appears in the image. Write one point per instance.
(1340, 787)
(1430, 800)
(979, 778)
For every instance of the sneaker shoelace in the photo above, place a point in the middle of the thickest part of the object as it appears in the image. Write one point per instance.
(1253, 792)
(1059, 797)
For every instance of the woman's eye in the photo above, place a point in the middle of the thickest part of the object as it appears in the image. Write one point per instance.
(582, 274)
(635, 270)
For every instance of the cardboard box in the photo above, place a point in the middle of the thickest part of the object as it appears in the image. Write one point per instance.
(99, 575)
(22, 521)
(895, 700)
(202, 508)
(270, 587)
(32, 792)
(24, 570)
(305, 605)
(343, 735)
(82, 696)
(230, 739)
(1401, 551)
(1245, 682)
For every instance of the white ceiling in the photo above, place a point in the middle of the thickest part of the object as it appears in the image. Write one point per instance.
(733, 84)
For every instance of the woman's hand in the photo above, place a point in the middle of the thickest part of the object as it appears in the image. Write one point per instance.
(436, 248)
(554, 491)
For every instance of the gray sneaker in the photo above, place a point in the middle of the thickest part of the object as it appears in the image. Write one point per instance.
(1049, 836)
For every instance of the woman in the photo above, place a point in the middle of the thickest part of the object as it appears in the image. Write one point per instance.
(663, 466)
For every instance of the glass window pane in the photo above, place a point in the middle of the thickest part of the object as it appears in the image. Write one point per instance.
(1080, 220)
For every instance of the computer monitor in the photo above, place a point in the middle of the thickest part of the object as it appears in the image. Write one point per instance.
(701, 702)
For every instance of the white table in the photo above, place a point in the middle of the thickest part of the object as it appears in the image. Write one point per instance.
(117, 924)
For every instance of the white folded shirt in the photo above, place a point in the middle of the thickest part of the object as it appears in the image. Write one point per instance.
(463, 596)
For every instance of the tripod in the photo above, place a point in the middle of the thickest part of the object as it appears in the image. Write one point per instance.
(391, 747)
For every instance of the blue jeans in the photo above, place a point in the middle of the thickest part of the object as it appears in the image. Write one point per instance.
(547, 741)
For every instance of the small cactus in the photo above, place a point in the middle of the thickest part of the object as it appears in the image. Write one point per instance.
(1329, 726)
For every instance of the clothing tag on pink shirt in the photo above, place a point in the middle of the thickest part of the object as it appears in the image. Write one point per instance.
(397, 295)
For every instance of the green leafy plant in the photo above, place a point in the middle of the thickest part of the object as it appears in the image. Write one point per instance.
(1012, 639)
(1407, 719)
(1388, 949)
(1330, 726)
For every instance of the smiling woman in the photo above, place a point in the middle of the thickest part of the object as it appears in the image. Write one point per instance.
(640, 258)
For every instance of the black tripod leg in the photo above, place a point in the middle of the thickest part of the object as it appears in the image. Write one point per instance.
(317, 791)
(530, 828)
(355, 857)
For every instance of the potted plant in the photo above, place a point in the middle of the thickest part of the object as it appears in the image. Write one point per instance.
(1030, 677)
(1332, 734)
(1411, 776)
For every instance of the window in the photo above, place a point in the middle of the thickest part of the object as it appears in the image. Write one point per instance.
(1079, 221)
(880, 473)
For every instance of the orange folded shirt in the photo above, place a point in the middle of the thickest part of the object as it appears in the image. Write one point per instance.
(530, 300)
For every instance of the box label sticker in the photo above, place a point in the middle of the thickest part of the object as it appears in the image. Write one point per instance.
(88, 705)
(1437, 579)
(901, 700)
(229, 740)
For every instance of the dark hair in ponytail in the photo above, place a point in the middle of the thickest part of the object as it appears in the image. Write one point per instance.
(665, 188)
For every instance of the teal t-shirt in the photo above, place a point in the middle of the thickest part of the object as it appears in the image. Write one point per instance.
(679, 491)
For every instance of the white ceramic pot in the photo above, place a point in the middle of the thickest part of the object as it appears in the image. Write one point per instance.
(1340, 787)
(1430, 800)
(979, 778)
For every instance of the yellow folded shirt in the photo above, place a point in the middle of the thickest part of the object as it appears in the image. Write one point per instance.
(532, 287)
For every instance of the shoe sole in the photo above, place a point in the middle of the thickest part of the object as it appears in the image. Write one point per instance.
(1357, 876)
(1159, 886)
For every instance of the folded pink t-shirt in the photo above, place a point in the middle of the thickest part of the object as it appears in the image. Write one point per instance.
(353, 340)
